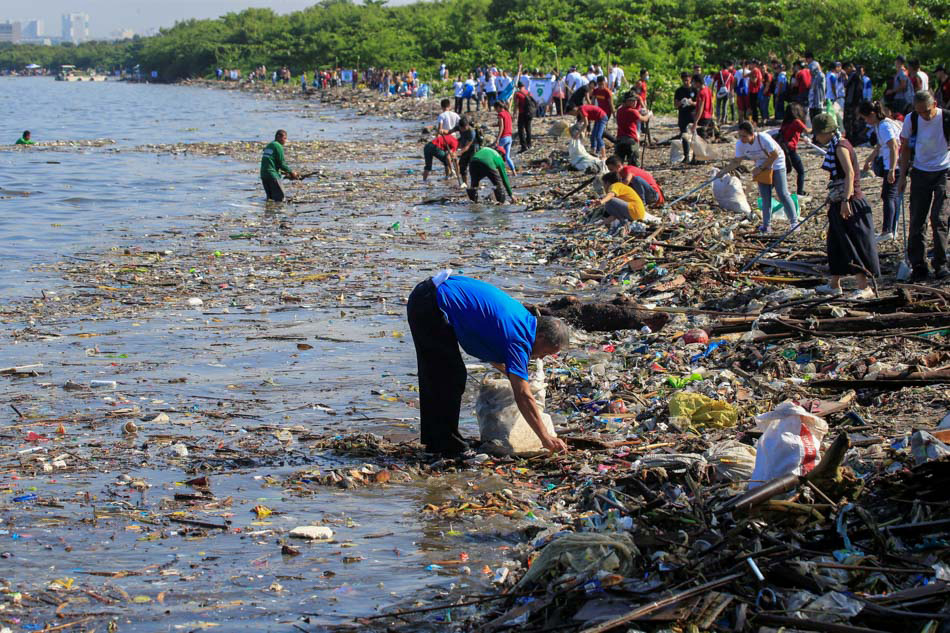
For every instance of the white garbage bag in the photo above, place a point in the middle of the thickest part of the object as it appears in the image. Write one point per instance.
(676, 152)
(733, 460)
(790, 443)
(701, 149)
(728, 193)
(579, 157)
(503, 429)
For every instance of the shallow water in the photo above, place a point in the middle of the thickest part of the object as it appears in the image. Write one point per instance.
(229, 374)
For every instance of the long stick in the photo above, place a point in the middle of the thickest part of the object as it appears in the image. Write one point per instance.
(660, 604)
(577, 188)
(692, 191)
(783, 238)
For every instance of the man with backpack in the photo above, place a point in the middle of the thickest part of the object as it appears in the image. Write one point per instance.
(527, 107)
(926, 145)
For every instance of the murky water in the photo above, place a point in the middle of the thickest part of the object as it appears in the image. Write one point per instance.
(229, 375)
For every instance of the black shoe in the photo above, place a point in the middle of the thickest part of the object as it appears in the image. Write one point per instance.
(942, 272)
(919, 274)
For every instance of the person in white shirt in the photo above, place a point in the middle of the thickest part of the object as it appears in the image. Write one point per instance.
(458, 89)
(928, 183)
(918, 78)
(448, 120)
(617, 77)
(883, 160)
(769, 171)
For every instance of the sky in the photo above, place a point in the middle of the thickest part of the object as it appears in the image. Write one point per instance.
(106, 16)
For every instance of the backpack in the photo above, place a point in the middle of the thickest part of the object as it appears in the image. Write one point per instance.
(912, 141)
(531, 105)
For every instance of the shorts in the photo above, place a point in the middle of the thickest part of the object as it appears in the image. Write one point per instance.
(742, 102)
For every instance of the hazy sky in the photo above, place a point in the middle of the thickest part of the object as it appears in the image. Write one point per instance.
(106, 16)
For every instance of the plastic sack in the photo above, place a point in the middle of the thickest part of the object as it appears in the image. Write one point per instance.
(503, 429)
(582, 160)
(559, 128)
(925, 447)
(733, 460)
(676, 153)
(701, 149)
(702, 410)
(728, 193)
(777, 205)
(790, 443)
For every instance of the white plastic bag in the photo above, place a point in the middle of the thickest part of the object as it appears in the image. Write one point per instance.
(676, 152)
(579, 157)
(733, 460)
(701, 149)
(503, 429)
(790, 443)
(728, 193)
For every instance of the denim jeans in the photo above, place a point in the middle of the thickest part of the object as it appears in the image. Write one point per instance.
(505, 143)
(889, 197)
(597, 134)
(780, 185)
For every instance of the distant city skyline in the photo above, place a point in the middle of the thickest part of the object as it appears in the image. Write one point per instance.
(108, 18)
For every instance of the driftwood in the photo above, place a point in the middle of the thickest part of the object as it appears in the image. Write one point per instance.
(619, 314)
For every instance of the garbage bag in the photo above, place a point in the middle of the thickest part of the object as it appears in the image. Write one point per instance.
(701, 149)
(579, 157)
(925, 447)
(733, 460)
(559, 128)
(584, 553)
(728, 193)
(790, 443)
(702, 410)
(676, 152)
(503, 429)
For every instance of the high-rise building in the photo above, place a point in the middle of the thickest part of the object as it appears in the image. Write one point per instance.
(75, 27)
(33, 29)
(10, 32)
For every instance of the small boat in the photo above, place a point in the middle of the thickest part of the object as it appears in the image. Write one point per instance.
(68, 72)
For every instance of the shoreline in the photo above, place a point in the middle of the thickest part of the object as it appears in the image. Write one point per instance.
(344, 255)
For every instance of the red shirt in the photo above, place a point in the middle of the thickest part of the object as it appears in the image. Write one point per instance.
(592, 112)
(755, 80)
(447, 142)
(804, 80)
(521, 96)
(505, 117)
(705, 94)
(642, 85)
(767, 83)
(627, 119)
(605, 99)
(635, 172)
(945, 89)
(722, 78)
(792, 132)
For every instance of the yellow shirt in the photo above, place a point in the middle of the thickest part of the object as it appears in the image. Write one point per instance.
(628, 195)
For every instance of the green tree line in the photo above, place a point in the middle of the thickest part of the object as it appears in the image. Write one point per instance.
(665, 36)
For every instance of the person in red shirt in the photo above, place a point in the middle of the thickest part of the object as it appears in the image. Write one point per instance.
(722, 82)
(793, 125)
(754, 77)
(640, 180)
(504, 133)
(642, 86)
(603, 96)
(628, 117)
(802, 83)
(942, 91)
(703, 115)
(593, 114)
(442, 147)
(525, 115)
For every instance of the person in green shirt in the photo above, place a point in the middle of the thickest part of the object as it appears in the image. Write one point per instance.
(273, 165)
(489, 163)
(25, 139)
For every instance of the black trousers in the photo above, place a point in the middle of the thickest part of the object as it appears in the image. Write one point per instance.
(524, 131)
(477, 172)
(627, 150)
(273, 189)
(928, 197)
(442, 372)
(458, 105)
(799, 167)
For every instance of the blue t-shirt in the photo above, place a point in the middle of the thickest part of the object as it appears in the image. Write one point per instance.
(489, 324)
